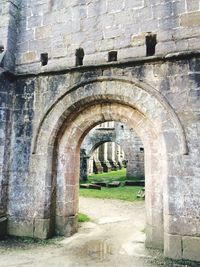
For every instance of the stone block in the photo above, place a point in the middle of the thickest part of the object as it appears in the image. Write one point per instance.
(20, 228)
(134, 183)
(138, 40)
(66, 226)
(191, 248)
(172, 246)
(41, 228)
(114, 6)
(154, 237)
(43, 32)
(192, 5)
(29, 57)
(190, 19)
(134, 4)
(114, 184)
(133, 52)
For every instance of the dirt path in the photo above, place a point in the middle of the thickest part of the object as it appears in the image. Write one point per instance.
(114, 238)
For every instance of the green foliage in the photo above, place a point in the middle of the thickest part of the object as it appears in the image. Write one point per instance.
(83, 217)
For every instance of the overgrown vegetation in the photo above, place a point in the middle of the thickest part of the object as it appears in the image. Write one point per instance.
(123, 192)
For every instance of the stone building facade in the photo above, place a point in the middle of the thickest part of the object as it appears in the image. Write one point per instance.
(141, 66)
(111, 146)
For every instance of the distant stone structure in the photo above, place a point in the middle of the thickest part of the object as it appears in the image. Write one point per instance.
(71, 65)
(108, 147)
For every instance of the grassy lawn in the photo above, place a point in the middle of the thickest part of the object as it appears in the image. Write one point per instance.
(128, 193)
(110, 176)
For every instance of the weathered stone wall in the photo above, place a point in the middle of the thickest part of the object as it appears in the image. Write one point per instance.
(60, 27)
(177, 79)
(132, 145)
(9, 11)
(6, 92)
(21, 139)
(158, 96)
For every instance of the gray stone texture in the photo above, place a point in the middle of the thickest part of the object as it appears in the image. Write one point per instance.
(46, 111)
(35, 95)
(59, 28)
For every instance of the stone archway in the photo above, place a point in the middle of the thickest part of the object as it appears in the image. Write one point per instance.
(62, 130)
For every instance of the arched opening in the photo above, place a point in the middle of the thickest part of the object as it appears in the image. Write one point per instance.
(112, 146)
(65, 126)
(67, 154)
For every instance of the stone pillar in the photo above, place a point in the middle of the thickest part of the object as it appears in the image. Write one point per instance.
(84, 164)
(118, 156)
(111, 156)
(104, 157)
(97, 167)
(135, 164)
(8, 14)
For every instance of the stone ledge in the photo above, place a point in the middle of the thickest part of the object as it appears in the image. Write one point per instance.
(122, 63)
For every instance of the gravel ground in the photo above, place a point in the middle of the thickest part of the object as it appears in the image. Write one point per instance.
(114, 238)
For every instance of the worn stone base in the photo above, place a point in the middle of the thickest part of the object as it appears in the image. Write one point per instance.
(120, 165)
(20, 228)
(130, 173)
(97, 167)
(173, 246)
(106, 166)
(41, 228)
(37, 228)
(114, 165)
(3, 227)
(191, 248)
(182, 247)
(154, 237)
(66, 226)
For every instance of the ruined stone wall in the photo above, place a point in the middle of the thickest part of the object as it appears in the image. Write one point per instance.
(132, 146)
(129, 141)
(60, 27)
(6, 94)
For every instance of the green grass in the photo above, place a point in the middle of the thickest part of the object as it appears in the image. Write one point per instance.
(110, 176)
(128, 193)
(83, 217)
